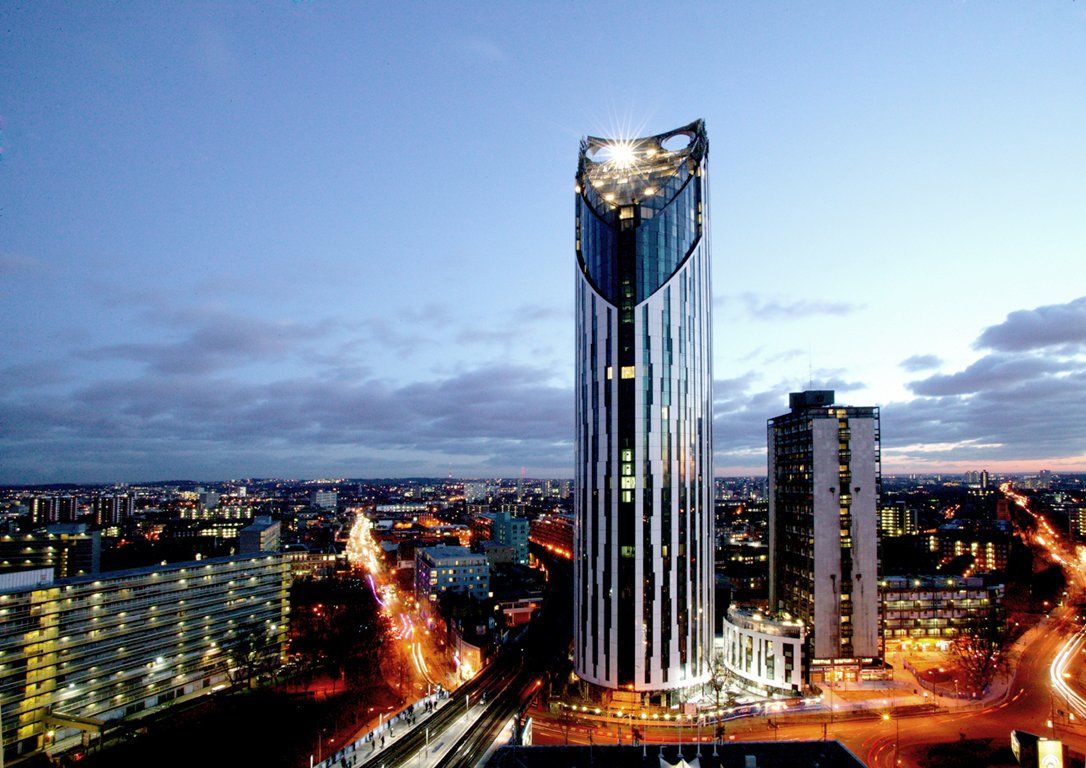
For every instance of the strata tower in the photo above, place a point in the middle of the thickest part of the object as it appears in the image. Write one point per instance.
(643, 539)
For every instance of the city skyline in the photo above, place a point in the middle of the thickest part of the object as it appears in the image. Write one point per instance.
(228, 249)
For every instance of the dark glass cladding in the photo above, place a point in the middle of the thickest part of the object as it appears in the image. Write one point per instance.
(666, 222)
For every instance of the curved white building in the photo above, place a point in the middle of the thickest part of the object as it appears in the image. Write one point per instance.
(643, 543)
(765, 653)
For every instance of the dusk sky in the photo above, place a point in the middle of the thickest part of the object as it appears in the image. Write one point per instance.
(311, 239)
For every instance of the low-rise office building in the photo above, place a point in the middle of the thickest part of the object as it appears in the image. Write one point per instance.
(498, 554)
(746, 564)
(306, 564)
(77, 652)
(554, 533)
(450, 569)
(512, 532)
(261, 536)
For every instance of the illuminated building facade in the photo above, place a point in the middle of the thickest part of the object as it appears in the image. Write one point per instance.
(450, 569)
(643, 538)
(45, 510)
(112, 510)
(925, 612)
(553, 532)
(69, 549)
(764, 653)
(824, 482)
(986, 542)
(91, 649)
(897, 519)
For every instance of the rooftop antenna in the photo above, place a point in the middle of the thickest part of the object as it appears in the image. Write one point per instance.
(810, 367)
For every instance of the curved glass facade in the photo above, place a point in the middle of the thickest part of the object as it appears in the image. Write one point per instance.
(643, 539)
(650, 195)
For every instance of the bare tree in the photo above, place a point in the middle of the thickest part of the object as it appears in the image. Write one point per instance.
(252, 651)
(718, 677)
(979, 653)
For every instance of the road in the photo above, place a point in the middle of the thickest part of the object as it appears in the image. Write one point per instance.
(505, 687)
(540, 653)
(411, 643)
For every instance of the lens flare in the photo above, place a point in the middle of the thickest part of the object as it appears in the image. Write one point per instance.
(619, 154)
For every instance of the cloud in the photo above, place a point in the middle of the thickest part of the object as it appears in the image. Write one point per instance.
(940, 447)
(921, 363)
(785, 356)
(497, 417)
(1025, 400)
(1040, 328)
(34, 375)
(772, 309)
(1022, 420)
(769, 357)
(220, 341)
(215, 392)
(194, 405)
(990, 372)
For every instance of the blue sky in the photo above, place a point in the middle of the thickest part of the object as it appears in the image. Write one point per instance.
(310, 238)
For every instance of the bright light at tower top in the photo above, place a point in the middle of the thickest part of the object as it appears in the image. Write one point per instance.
(619, 154)
(620, 171)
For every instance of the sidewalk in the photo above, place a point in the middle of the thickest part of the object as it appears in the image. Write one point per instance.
(444, 741)
(387, 733)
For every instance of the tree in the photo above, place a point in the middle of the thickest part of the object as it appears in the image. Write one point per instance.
(252, 651)
(718, 677)
(337, 626)
(979, 654)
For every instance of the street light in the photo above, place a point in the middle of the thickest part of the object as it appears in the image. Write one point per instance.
(829, 684)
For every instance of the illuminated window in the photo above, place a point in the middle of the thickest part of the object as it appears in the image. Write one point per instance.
(627, 371)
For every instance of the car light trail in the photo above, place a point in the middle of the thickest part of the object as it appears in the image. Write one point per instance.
(376, 594)
(1058, 674)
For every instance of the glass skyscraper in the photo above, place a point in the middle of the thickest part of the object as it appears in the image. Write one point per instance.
(643, 539)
